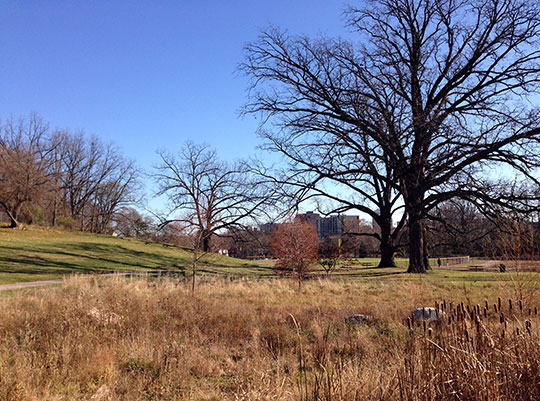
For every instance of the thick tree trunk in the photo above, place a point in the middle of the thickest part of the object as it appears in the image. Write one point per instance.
(387, 243)
(418, 259)
(12, 215)
(205, 242)
(387, 252)
(13, 222)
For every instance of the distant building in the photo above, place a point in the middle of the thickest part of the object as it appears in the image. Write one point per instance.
(268, 228)
(309, 217)
(337, 225)
(326, 226)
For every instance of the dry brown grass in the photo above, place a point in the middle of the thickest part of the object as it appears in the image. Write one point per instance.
(247, 340)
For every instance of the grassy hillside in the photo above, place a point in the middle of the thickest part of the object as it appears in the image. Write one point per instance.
(39, 254)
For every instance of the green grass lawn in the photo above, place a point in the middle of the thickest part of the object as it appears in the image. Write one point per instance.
(40, 254)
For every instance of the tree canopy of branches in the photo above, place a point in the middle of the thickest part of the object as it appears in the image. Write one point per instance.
(95, 180)
(24, 156)
(210, 195)
(297, 246)
(457, 227)
(62, 174)
(206, 195)
(437, 89)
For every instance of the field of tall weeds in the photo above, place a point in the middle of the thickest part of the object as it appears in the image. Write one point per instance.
(137, 339)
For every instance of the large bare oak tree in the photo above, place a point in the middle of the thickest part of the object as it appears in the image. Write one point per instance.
(442, 88)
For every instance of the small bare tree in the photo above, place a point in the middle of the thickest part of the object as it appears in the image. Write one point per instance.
(297, 246)
(206, 195)
(329, 254)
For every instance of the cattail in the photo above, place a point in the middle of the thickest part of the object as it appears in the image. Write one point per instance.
(502, 334)
(517, 331)
(444, 305)
(501, 318)
(510, 303)
(530, 311)
(495, 308)
(467, 335)
(425, 326)
(487, 305)
(485, 313)
(499, 303)
(520, 305)
(535, 311)
(409, 323)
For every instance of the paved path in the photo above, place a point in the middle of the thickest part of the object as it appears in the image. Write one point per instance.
(42, 283)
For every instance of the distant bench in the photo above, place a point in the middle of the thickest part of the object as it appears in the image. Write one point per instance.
(366, 264)
(348, 265)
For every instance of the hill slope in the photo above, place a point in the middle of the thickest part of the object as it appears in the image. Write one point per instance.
(39, 254)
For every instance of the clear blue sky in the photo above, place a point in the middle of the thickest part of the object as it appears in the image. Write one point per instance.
(143, 74)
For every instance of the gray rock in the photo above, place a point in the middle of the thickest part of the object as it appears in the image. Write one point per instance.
(103, 393)
(359, 319)
(430, 315)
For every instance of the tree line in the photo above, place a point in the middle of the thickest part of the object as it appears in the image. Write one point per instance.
(58, 177)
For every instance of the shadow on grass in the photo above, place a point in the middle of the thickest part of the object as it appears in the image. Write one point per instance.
(86, 258)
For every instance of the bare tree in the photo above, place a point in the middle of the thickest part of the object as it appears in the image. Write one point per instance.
(206, 195)
(130, 223)
(339, 176)
(95, 180)
(24, 158)
(329, 254)
(458, 227)
(441, 87)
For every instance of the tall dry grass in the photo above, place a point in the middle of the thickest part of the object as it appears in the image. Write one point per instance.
(246, 340)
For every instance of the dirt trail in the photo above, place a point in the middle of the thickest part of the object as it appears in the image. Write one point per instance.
(43, 283)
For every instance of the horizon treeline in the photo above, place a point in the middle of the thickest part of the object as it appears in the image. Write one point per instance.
(73, 180)
(62, 178)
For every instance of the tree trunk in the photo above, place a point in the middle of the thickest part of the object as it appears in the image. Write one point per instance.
(12, 215)
(387, 255)
(205, 241)
(426, 252)
(13, 222)
(418, 259)
(55, 211)
(387, 244)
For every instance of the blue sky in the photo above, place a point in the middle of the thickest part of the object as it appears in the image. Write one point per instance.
(143, 74)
